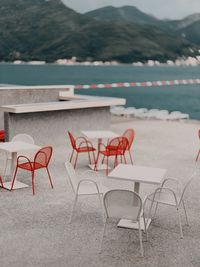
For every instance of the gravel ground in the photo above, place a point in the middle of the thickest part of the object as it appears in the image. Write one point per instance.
(35, 231)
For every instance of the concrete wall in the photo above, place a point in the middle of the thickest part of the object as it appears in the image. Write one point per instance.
(25, 96)
(51, 127)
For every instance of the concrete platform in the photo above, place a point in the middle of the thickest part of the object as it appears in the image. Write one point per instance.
(35, 230)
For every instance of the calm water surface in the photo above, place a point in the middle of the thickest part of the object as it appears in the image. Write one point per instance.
(185, 98)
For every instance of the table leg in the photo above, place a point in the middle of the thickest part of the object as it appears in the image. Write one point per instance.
(17, 184)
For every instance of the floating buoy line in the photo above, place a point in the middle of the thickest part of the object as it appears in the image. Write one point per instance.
(137, 84)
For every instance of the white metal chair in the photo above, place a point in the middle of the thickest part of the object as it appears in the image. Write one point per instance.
(20, 138)
(123, 204)
(172, 197)
(83, 187)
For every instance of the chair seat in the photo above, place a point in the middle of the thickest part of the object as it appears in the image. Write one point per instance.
(35, 166)
(164, 198)
(90, 189)
(109, 153)
(85, 149)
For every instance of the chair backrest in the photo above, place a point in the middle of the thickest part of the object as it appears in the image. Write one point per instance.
(24, 138)
(72, 140)
(130, 135)
(71, 175)
(118, 143)
(43, 156)
(123, 204)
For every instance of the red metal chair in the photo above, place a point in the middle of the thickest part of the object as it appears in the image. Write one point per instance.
(130, 135)
(81, 145)
(199, 149)
(41, 160)
(116, 147)
(2, 136)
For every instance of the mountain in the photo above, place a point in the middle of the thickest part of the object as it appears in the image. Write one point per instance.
(39, 29)
(186, 22)
(48, 30)
(188, 28)
(128, 14)
(191, 32)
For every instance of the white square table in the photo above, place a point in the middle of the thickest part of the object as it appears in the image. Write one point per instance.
(99, 135)
(137, 174)
(14, 148)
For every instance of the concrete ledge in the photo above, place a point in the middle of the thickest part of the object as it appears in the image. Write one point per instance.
(88, 102)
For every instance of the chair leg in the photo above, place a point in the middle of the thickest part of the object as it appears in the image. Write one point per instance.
(103, 233)
(76, 160)
(33, 185)
(89, 157)
(15, 175)
(197, 155)
(73, 207)
(101, 205)
(185, 212)
(107, 166)
(145, 227)
(140, 237)
(49, 177)
(71, 156)
(130, 156)
(103, 160)
(179, 221)
(94, 157)
(96, 162)
(156, 208)
(124, 159)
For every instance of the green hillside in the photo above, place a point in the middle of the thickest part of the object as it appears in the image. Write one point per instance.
(48, 30)
(126, 13)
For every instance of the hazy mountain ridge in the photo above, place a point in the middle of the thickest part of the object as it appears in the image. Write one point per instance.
(48, 30)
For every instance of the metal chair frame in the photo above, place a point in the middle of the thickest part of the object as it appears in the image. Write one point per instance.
(32, 166)
(80, 145)
(116, 147)
(130, 135)
(177, 199)
(19, 137)
(90, 187)
(137, 201)
(199, 149)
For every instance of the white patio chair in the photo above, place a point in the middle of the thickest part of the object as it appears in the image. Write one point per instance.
(83, 187)
(123, 204)
(19, 138)
(172, 197)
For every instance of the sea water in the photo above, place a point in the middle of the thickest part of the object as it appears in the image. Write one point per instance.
(185, 98)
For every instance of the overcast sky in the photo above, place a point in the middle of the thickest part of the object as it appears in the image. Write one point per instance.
(171, 9)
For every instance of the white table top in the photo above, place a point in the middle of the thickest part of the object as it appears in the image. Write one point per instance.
(99, 134)
(17, 146)
(140, 174)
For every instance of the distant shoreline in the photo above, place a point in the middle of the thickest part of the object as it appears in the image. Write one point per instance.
(96, 65)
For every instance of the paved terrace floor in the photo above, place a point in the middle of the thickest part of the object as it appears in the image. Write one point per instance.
(34, 231)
